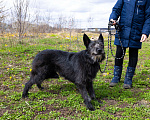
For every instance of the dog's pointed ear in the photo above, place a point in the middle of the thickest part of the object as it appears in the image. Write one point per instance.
(86, 40)
(101, 39)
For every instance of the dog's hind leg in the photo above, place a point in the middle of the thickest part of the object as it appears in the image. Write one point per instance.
(87, 99)
(34, 79)
(40, 78)
(39, 85)
(27, 87)
(52, 72)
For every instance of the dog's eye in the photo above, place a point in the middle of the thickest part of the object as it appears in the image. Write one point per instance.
(101, 45)
(92, 45)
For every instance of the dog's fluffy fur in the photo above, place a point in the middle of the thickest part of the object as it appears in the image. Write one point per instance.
(80, 68)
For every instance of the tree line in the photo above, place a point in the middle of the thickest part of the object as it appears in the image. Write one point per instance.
(19, 20)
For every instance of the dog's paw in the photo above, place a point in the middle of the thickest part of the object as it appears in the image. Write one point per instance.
(101, 102)
(41, 88)
(91, 108)
(24, 96)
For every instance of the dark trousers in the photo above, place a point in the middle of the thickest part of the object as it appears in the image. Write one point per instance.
(133, 56)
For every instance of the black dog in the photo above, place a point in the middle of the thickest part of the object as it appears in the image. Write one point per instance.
(80, 68)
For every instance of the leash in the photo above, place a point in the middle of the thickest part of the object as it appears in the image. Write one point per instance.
(117, 27)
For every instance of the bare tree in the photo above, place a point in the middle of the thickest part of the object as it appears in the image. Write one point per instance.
(90, 21)
(2, 17)
(72, 23)
(21, 13)
(61, 22)
(1, 11)
(49, 20)
(37, 22)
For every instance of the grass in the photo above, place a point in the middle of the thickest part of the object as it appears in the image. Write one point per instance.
(60, 98)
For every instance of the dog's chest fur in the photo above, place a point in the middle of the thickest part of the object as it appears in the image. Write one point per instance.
(84, 64)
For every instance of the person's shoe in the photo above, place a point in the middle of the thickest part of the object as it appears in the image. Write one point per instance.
(128, 78)
(127, 86)
(117, 76)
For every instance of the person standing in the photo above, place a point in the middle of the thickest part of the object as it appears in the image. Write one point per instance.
(134, 22)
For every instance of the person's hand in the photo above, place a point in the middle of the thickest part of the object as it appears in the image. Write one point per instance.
(113, 21)
(143, 38)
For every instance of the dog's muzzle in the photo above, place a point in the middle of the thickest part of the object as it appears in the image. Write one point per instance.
(99, 51)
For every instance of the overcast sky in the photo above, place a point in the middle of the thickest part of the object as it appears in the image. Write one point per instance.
(80, 10)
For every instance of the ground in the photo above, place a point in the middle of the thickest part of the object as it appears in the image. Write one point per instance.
(60, 99)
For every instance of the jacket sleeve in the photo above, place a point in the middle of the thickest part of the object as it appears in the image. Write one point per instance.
(146, 26)
(116, 11)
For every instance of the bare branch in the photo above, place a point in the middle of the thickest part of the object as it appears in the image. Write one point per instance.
(20, 13)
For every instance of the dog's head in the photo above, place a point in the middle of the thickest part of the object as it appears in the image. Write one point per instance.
(95, 48)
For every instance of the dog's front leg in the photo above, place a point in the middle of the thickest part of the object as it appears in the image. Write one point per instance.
(89, 87)
(87, 99)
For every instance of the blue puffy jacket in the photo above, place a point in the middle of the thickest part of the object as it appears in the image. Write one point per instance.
(134, 21)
